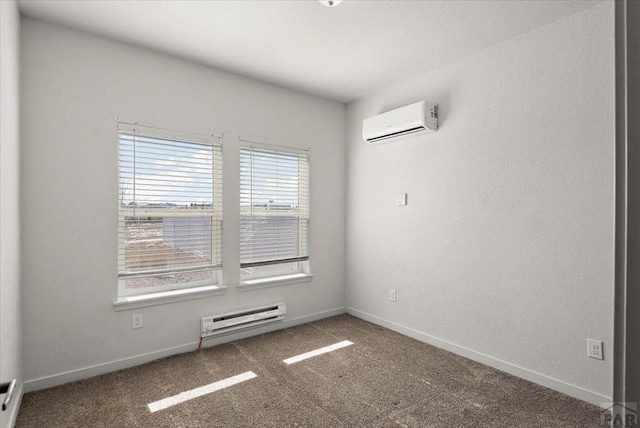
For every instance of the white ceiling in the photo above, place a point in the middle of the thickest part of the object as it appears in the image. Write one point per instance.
(340, 53)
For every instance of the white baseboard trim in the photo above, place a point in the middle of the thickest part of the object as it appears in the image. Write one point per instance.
(14, 407)
(521, 372)
(103, 368)
(124, 363)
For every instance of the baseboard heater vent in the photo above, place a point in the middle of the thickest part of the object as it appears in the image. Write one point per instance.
(234, 321)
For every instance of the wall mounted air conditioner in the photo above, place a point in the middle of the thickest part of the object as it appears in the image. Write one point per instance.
(419, 117)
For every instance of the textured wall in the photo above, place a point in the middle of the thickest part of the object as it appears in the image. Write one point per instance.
(74, 85)
(505, 248)
(10, 298)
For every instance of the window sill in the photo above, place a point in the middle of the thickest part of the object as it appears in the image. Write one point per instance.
(163, 297)
(252, 284)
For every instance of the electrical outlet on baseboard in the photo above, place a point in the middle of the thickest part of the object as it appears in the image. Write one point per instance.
(594, 349)
(136, 321)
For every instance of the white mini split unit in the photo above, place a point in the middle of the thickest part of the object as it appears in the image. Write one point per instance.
(240, 320)
(419, 117)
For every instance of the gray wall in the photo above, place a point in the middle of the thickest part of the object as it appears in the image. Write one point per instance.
(10, 316)
(627, 299)
(74, 86)
(632, 321)
(504, 252)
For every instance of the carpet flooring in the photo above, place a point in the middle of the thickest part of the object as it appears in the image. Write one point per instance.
(383, 380)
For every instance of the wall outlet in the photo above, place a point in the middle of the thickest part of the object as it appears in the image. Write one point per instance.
(136, 321)
(401, 199)
(594, 349)
(393, 296)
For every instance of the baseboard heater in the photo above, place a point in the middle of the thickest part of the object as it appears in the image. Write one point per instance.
(233, 321)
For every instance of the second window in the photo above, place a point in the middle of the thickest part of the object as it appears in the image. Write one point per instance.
(274, 211)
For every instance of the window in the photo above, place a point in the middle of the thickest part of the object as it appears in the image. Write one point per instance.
(169, 210)
(274, 211)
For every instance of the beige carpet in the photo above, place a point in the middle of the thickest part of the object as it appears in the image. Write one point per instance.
(383, 380)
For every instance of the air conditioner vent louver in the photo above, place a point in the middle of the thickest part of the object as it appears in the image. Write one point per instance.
(412, 119)
(397, 134)
(239, 320)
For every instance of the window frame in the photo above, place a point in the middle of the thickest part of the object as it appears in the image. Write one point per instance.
(215, 214)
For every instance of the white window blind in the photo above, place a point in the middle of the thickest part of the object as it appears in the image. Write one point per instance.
(274, 205)
(169, 210)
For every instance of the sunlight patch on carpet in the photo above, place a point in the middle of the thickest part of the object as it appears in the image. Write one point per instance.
(317, 352)
(199, 392)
